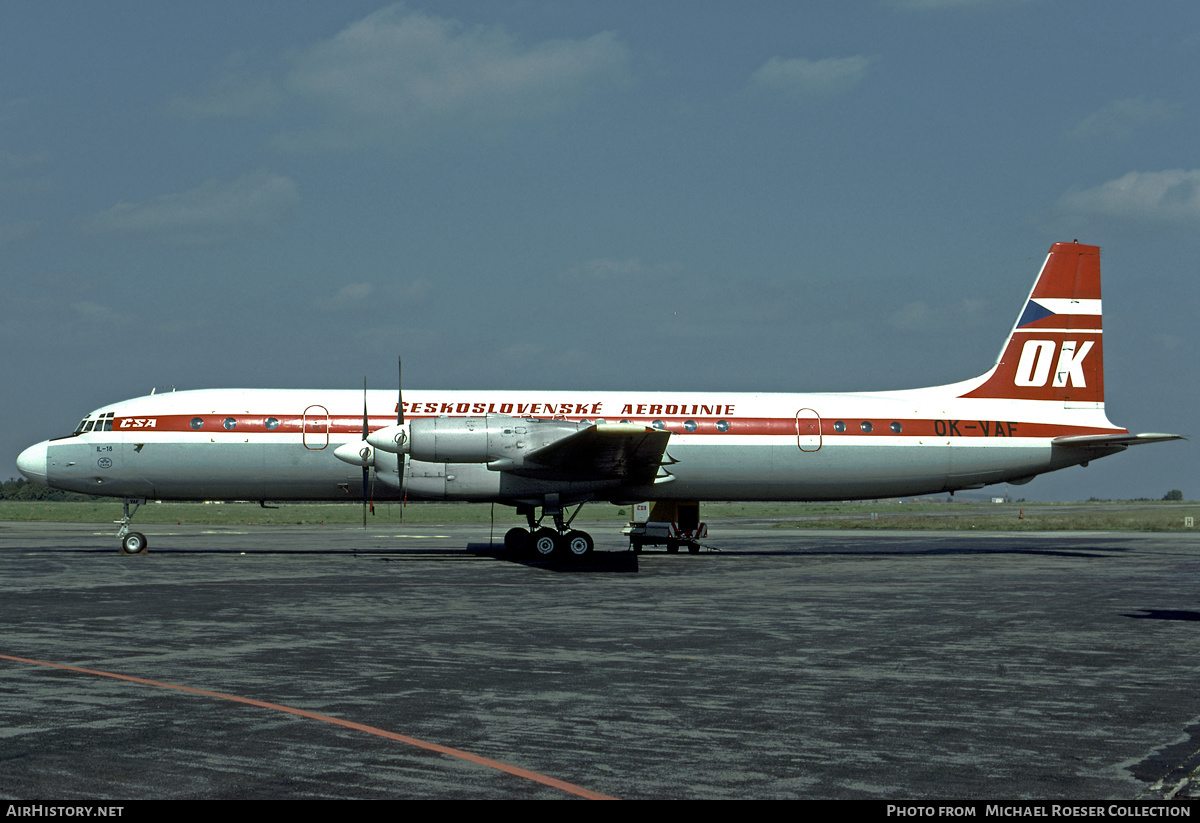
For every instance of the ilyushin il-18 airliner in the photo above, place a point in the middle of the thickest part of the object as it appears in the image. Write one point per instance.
(1039, 409)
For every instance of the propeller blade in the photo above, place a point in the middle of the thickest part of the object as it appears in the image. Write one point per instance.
(366, 469)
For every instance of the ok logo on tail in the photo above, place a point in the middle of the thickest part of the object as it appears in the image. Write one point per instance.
(1033, 369)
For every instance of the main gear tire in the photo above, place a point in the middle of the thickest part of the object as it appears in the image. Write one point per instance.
(134, 543)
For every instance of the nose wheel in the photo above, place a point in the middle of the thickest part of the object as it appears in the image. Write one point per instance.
(131, 542)
(134, 543)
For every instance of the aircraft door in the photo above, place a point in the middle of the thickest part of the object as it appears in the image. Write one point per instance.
(316, 427)
(808, 430)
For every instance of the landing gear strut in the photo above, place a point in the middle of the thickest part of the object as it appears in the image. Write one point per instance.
(131, 542)
(544, 542)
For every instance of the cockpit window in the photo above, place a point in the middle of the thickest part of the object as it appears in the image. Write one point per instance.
(103, 424)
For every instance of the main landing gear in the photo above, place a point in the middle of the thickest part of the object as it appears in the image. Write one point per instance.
(545, 543)
(131, 542)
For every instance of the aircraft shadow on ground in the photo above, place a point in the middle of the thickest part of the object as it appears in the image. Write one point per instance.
(964, 551)
(601, 561)
(1166, 614)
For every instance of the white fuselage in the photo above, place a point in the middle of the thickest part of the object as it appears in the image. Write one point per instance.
(266, 444)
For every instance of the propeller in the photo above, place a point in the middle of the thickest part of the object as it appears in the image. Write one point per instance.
(393, 439)
(366, 468)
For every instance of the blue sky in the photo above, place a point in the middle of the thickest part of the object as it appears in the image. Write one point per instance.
(790, 196)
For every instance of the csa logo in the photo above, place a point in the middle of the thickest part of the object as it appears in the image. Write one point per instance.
(139, 423)
(1038, 355)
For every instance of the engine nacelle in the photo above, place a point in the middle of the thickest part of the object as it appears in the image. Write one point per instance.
(387, 468)
(449, 440)
(451, 481)
(471, 439)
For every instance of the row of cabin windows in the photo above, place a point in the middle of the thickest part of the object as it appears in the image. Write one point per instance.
(272, 423)
(867, 427)
(688, 425)
(230, 423)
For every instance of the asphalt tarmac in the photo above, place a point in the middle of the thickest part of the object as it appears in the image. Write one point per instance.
(790, 664)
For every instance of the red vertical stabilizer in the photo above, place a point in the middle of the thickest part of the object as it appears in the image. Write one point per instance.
(1055, 350)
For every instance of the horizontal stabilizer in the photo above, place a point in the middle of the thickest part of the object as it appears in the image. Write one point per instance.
(1113, 439)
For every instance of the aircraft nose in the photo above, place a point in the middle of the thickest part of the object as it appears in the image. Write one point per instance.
(32, 462)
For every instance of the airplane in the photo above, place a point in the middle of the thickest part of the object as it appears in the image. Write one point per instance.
(1040, 408)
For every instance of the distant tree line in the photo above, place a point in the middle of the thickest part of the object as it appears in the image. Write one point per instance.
(22, 489)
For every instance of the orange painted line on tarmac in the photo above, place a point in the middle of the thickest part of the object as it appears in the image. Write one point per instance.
(337, 721)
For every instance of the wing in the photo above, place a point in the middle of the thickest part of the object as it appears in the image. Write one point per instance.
(603, 451)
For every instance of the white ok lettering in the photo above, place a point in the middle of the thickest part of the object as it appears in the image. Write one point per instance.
(1070, 363)
(1034, 366)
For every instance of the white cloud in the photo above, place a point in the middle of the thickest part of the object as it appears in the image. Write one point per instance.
(911, 316)
(919, 316)
(352, 294)
(12, 160)
(521, 351)
(607, 269)
(798, 77)
(1152, 195)
(937, 5)
(1121, 118)
(398, 72)
(15, 231)
(234, 92)
(211, 209)
(413, 291)
(94, 312)
(1170, 342)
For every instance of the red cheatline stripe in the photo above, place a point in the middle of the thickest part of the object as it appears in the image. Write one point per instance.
(412, 741)
(782, 426)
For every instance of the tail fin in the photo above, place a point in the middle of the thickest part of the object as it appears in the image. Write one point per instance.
(1055, 350)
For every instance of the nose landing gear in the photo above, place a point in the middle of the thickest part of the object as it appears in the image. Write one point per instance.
(131, 542)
